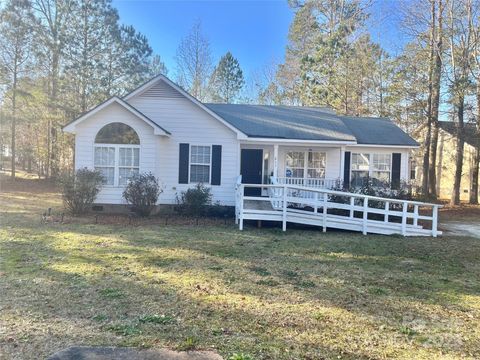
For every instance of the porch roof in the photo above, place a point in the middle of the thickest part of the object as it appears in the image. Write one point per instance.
(285, 122)
(311, 124)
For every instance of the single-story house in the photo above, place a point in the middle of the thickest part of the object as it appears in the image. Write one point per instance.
(445, 167)
(162, 129)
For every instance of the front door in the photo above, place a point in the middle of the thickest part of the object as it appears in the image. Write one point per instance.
(251, 170)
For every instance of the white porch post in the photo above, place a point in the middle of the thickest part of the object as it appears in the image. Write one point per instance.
(342, 163)
(275, 160)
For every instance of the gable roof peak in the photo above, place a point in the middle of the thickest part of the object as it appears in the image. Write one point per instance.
(158, 130)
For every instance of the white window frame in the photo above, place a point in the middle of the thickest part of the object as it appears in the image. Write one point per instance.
(305, 163)
(116, 166)
(371, 169)
(190, 163)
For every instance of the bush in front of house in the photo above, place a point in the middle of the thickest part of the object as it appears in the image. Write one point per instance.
(220, 211)
(80, 190)
(194, 201)
(142, 192)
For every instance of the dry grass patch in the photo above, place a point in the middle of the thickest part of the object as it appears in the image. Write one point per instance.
(260, 293)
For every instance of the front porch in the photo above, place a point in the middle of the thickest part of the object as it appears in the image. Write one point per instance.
(300, 164)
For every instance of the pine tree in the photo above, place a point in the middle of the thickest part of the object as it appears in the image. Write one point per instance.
(15, 51)
(94, 20)
(54, 18)
(227, 79)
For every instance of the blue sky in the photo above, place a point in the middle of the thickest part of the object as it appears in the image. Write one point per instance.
(254, 31)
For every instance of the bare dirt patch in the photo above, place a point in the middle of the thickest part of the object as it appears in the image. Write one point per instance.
(112, 353)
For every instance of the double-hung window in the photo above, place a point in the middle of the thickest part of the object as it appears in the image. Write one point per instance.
(381, 169)
(117, 153)
(305, 164)
(295, 164)
(360, 169)
(200, 163)
(316, 165)
(128, 164)
(105, 163)
(376, 167)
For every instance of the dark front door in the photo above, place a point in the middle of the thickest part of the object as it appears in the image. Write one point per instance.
(251, 170)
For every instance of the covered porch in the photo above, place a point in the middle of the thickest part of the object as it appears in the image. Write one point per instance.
(291, 163)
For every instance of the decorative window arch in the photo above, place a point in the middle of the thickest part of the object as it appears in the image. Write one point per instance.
(117, 133)
(117, 153)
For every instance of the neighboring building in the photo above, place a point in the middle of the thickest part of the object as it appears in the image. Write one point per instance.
(162, 129)
(447, 142)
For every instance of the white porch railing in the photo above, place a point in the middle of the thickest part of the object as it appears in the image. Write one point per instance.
(336, 209)
(238, 198)
(309, 182)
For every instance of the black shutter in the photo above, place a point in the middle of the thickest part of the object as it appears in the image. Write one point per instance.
(396, 163)
(183, 164)
(346, 170)
(216, 164)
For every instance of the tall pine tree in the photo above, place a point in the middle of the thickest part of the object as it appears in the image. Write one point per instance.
(15, 51)
(227, 80)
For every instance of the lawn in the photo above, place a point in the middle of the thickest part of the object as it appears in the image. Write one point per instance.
(302, 294)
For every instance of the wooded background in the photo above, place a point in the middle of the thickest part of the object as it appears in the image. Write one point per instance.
(59, 58)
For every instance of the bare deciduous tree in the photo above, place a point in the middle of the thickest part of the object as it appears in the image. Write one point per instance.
(194, 62)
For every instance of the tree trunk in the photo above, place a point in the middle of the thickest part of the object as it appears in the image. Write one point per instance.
(53, 151)
(428, 137)
(14, 117)
(436, 79)
(459, 152)
(474, 181)
(476, 162)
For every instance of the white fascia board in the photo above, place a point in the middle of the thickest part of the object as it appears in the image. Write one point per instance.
(387, 146)
(269, 141)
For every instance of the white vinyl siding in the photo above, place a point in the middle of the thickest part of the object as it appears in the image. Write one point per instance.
(189, 124)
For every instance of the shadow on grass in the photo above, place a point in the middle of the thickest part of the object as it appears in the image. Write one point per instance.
(260, 291)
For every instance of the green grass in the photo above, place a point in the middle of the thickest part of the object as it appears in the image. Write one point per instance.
(256, 294)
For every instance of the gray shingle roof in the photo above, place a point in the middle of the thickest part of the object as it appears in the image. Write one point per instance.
(310, 123)
(377, 131)
(285, 122)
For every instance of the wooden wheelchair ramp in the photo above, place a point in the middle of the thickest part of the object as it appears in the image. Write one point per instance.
(337, 210)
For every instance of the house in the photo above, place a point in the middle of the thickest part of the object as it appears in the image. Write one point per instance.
(445, 167)
(162, 129)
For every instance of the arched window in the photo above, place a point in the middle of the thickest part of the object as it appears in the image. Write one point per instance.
(117, 133)
(117, 153)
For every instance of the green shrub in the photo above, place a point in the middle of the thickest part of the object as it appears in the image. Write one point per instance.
(195, 201)
(80, 190)
(220, 211)
(142, 193)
